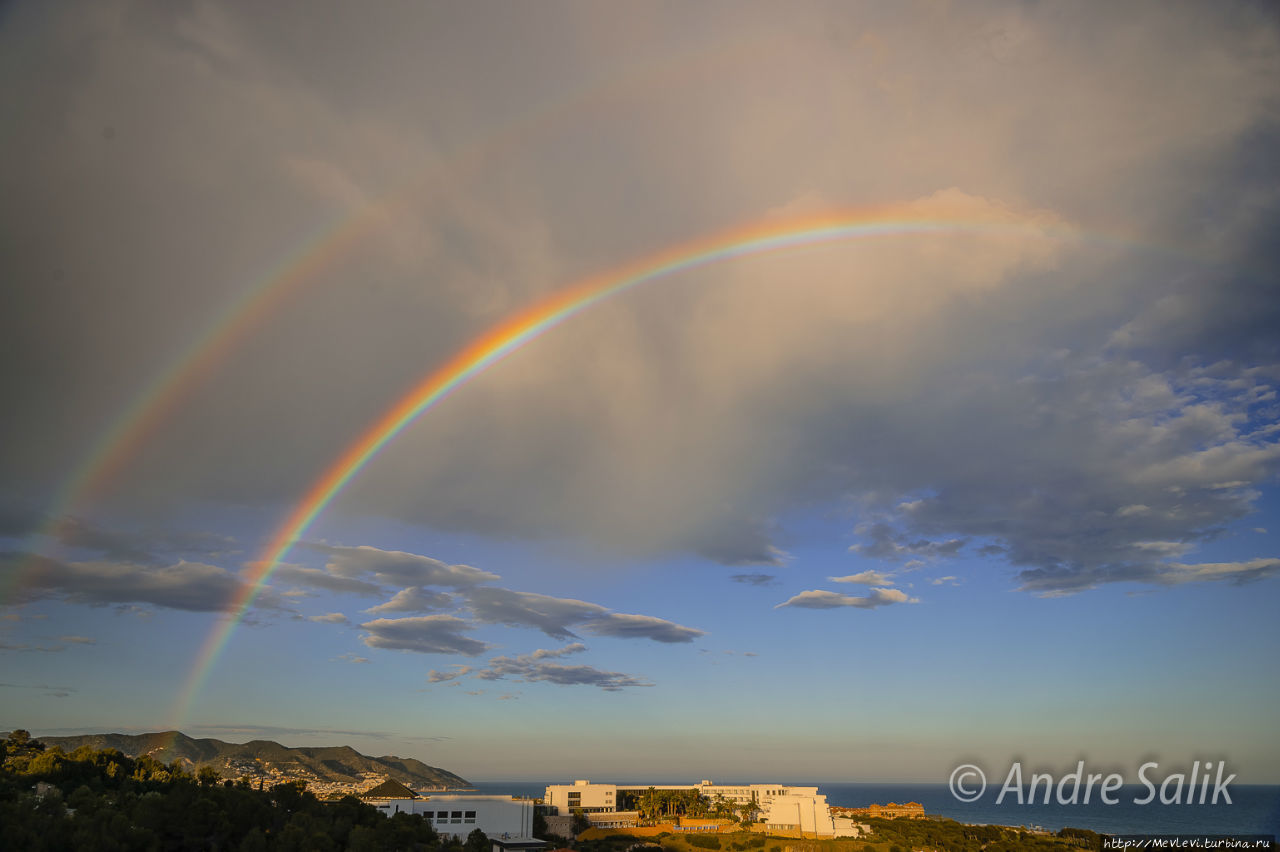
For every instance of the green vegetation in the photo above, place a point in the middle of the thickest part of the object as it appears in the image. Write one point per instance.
(904, 835)
(665, 805)
(95, 799)
(952, 836)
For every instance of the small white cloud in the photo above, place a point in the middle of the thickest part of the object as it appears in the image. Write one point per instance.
(866, 578)
(78, 640)
(823, 599)
(352, 658)
(444, 677)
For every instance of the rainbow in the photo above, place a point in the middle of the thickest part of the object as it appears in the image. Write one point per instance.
(518, 330)
(123, 438)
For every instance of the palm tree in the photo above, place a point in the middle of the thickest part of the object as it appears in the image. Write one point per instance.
(648, 804)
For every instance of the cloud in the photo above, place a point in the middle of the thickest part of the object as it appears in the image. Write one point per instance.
(329, 618)
(319, 579)
(754, 579)
(78, 640)
(546, 654)
(1050, 583)
(1042, 397)
(398, 568)
(942, 581)
(532, 668)
(190, 586)
(553, 616)
(425, 634)
(886, 543)
(25, 648)
(352, 658)
(1109, 437)
(821, 599)
(145, 546)
(641, 627)
(443, 677)
(59, 690)
(414, 599)
(866, 578)
(243, 731)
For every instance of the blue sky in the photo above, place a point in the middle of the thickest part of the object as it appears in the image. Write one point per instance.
(855, 512)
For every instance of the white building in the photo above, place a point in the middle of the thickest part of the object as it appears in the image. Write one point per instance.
(782, 806)
(459, 814)
(800, 812)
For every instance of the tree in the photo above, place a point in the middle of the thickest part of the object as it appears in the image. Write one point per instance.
(207, 776)
(477, 841)
(648, 804)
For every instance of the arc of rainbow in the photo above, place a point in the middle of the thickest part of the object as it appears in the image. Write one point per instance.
(151, 406)
(510, 335)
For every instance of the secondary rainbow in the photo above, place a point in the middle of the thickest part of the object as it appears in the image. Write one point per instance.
(518, 330)
(152, 406)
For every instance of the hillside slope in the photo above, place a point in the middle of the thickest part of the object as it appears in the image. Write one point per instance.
(231, 760)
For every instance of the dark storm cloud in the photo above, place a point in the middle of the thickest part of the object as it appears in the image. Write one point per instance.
(139, 546)
(1088, 411)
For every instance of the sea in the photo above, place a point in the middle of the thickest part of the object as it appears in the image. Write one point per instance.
(1254, 809)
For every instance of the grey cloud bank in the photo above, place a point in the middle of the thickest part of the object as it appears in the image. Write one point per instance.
(1089, 410)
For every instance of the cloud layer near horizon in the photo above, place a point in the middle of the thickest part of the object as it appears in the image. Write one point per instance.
(1086, 410)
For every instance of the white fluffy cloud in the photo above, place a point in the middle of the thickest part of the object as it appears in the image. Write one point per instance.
(822, 599)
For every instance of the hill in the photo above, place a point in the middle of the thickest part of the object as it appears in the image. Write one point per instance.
(341, 764)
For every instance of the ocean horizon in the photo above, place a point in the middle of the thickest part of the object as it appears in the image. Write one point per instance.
(1254, 809)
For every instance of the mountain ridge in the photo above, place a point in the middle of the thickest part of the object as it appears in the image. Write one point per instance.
(336, 764)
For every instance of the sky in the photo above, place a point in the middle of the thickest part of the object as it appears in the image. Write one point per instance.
(984, 471)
